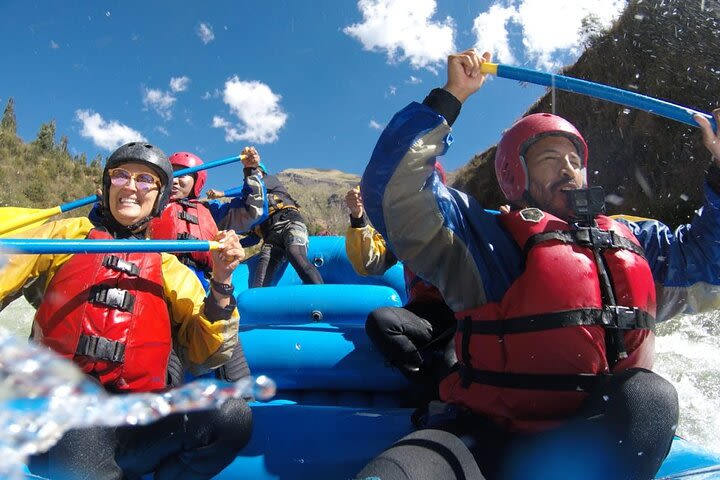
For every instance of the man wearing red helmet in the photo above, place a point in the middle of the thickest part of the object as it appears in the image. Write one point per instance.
(556, 303)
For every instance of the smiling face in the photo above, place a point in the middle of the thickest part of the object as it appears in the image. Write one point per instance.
(129, 204)
(182, 187)
(553, 165)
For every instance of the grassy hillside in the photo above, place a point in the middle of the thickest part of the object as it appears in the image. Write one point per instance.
(42, 173)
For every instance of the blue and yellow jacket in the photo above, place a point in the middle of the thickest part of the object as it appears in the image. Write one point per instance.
(446, 236)
(203, 337)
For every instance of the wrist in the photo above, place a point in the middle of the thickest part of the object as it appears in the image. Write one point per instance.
(224, 287)
(445, 103)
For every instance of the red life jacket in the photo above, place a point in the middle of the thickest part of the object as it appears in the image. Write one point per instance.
(108, 314)
(529, 360)
(418, 290)
(186, 220)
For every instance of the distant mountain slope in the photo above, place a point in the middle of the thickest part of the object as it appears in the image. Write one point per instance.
(321, 194)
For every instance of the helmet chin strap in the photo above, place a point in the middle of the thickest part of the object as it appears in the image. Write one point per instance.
(118, 230)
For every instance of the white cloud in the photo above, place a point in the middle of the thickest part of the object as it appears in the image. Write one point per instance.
(491, 33)
(546, 41)
(106, 134)
(54, 45)
(205, 32)
(257, 109)
(208, 95)
(405, 31)
(375, 125)
(163, 130)
(413, 80)
(160, 101)
(179, 84)
(392, 90)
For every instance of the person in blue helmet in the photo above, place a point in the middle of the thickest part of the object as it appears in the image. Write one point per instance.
(282, 229)
(556, 302)
(117, 317)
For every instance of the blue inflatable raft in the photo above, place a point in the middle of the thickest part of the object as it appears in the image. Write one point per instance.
(339, 403)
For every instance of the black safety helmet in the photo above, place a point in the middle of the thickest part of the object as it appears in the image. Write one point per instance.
(150, 155)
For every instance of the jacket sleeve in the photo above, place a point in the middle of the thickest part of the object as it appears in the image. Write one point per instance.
(685, 262)
(19, 270)
(367, 250)
(206, 334)
(245, 211)
(441, 234)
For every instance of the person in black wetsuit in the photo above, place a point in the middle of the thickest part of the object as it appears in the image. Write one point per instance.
(416, 338)
(283, 232)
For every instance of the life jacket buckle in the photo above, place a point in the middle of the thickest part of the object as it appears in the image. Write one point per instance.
(113, 297)
(594, 237)
(621, 318)
(118, 264)
(101, 348)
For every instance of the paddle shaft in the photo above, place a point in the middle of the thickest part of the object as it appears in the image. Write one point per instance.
(54, 246)
(597, 90)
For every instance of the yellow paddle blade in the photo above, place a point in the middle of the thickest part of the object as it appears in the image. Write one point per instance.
(17, 219)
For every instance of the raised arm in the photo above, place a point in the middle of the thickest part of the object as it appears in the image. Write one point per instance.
(248, 209)
(365, 247)
(443, 235)
(686, 261)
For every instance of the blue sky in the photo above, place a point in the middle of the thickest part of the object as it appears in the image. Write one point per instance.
(310, 83)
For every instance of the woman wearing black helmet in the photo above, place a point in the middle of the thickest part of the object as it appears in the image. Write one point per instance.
(117, 317)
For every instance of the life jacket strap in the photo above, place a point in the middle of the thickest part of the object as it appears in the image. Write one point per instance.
(101, 348)
(583, 382)
(188, 217)
(112, 297)
(186, 236)
(589, 237)
(120, 265)
(611, 317)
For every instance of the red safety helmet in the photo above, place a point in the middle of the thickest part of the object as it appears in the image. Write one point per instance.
(188, 160)
(510, 166)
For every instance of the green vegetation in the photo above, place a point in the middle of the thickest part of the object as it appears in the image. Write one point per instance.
(41, 173)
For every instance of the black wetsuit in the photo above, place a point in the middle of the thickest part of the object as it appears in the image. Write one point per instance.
(188, 446)
(623, 431)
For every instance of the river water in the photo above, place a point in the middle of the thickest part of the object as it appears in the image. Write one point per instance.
(688, 354)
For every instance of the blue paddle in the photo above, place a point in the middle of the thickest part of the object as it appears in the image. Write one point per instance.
(52, 246)
(597, 90)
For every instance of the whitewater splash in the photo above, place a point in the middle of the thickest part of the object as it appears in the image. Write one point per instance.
(42, 396)
(688, 354)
